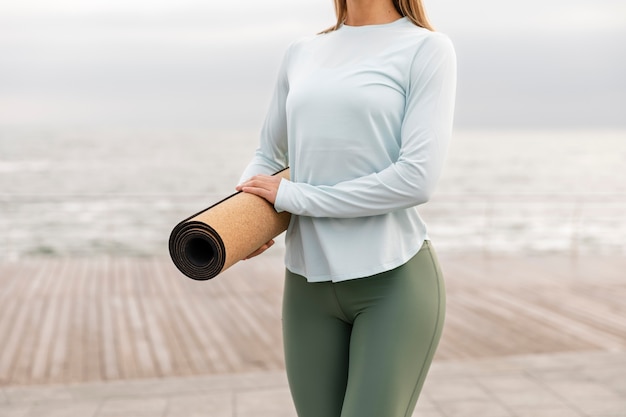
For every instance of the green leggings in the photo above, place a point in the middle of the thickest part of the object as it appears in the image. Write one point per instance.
(362, 348)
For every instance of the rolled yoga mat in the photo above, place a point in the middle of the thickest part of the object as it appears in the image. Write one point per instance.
(216, 238)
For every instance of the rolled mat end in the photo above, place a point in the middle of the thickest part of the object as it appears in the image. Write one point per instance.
(197, 250)
(209, 242)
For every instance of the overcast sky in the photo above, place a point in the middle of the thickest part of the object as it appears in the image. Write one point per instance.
(176, 63)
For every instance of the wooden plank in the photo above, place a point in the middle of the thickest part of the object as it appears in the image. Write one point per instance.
(91, 361)
(124, 338)
(560, 323)
(59, 350)
(111, 368)
(45, 328)
(136, 320)
(150, 305)
(167, 319)
(189, 326)
(515, 329)
(580, 304)
(76, 300)
(11, 308)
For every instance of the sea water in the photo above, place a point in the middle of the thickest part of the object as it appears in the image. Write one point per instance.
(69, 192)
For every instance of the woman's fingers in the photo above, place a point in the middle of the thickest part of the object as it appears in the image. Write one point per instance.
(260, 250)
(265, 186)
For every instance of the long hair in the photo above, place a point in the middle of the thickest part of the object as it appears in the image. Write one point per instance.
(413, 9)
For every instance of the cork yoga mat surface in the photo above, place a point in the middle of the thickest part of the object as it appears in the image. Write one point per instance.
(216, 238)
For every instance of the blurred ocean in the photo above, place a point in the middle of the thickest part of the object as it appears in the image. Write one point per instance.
(120, 192)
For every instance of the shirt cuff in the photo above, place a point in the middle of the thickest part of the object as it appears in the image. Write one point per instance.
(281, 199)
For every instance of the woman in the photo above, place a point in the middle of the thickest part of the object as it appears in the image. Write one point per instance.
(362, 114)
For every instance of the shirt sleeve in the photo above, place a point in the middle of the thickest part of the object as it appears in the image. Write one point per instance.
(271, 155)
(425, 134)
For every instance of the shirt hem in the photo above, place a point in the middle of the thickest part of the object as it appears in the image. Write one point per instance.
(387, 266)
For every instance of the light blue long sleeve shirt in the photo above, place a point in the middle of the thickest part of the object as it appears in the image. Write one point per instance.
(363, 116)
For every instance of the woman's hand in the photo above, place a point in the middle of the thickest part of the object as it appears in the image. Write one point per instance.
(265, 186)
(260, 250)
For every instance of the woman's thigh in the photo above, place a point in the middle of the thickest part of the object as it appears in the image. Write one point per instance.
(316, 343)
(398, 319)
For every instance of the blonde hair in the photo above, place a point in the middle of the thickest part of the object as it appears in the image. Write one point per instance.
(413, 9)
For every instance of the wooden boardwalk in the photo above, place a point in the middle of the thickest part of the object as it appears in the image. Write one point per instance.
(66, 320)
